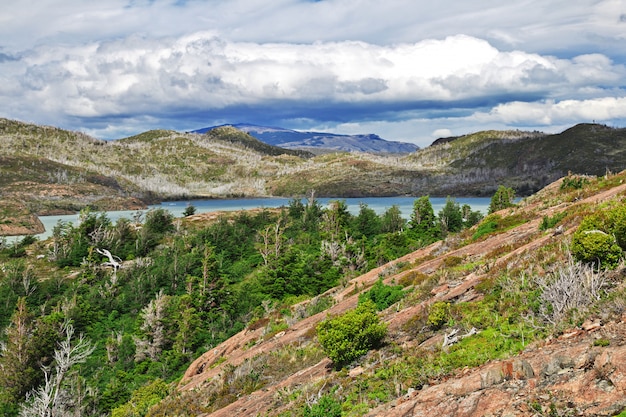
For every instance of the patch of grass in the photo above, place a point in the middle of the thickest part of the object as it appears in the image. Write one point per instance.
(494, 223)
(548, 222)
(602, 342)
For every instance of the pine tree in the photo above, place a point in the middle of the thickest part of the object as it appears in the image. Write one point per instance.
(18, 369)
(422, 225)
(503, 198)
(450, 217)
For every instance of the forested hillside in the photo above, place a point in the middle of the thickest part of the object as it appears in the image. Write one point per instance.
(151, 293)
(306, 310)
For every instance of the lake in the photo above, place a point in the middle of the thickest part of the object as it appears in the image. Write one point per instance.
(378, 204)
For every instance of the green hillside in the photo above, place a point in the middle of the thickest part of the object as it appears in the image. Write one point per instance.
(304, 309)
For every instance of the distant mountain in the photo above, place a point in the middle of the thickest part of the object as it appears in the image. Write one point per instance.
(317, 142)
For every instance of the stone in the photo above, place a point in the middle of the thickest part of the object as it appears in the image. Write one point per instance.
(522, 369)
(492, 377)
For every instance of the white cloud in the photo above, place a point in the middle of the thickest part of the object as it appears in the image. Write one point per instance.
(441, 133)
(550, 112)
(399, 68)
(137, 74)
(562, 23)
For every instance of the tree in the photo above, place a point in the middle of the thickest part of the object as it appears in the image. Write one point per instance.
(335, 219)
(450, 217)
(503, 198)
(159, 221)
(153, 329)
(422, 223)
(470, 217)
(367, 223)
(351, 335)
(142, 399)
(17, 357)
(270, 242)
(186, 320)
(53, 398)
(392, 220)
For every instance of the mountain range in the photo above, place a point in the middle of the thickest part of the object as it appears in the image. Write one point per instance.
(318, 142)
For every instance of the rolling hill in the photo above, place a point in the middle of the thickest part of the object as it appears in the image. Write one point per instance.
(50, 170)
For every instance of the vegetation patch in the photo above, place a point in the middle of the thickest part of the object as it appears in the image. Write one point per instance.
(349, 336)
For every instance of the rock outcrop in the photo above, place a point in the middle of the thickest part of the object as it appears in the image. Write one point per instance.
(16, 220)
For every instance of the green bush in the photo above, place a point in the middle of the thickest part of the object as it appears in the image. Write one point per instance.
(382, 295)
(327, 406)
(439, 314)
(351, 335)
(142, 399)
(573, 182)
(596, 247)
(548, 222)
(617, 224)
(190, 210)
(488, 225)
(601, 238)
(601, 342)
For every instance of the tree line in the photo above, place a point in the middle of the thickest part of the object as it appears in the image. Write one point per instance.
(147, 295)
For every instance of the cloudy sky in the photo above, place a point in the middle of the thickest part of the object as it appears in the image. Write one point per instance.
(408, 70)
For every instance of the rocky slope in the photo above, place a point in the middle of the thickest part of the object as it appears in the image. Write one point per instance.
(577, 370)
(16, 220)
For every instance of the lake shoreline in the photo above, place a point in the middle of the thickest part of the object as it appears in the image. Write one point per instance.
(378, 204)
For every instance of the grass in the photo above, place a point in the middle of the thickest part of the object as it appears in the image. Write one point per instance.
(494, 223)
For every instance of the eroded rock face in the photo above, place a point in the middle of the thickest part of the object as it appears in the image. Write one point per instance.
(16, 220)
(566, 376)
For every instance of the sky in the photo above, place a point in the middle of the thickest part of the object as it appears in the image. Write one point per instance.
(406, 70)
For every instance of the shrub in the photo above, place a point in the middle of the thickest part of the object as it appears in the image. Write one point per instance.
(159, 221)
(572, 288)
(142, 399)
(190, 210)
(574, 182)
(602, 342)
(489, 225)
(596, 247)
(382, 295)
(351, 335)
(548, 222)
(326, 406)
(439, 314)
